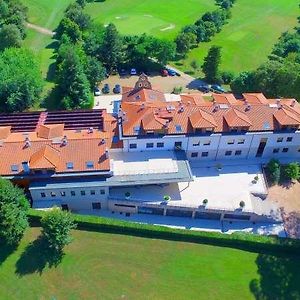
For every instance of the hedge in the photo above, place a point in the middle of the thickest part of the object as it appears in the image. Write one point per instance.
(240, 240)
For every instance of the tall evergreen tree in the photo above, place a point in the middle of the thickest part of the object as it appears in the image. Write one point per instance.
(211, 64)
(111, 50)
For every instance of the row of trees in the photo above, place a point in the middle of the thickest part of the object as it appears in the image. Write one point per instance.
(13, 15)
(204, 28)
(56, 224)
(280, 75)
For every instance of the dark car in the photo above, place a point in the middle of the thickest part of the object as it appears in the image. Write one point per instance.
(217, 89)
(171, 72)
(204, 88)
(117, 89)
(123, 72)
(164, 73)
(106, 89)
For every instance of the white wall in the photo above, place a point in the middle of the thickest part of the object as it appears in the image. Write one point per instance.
(76, 202)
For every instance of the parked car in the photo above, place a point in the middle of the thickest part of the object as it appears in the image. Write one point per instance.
(106, 89)
(117, 89)
(164, 73)
(217, 89)
(133, 71)
(171, 72)
(97, 91)
(123, 72)
(204, 88)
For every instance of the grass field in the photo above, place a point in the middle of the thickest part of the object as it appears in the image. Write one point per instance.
(107, 266)
(157, 17)
(250, 34)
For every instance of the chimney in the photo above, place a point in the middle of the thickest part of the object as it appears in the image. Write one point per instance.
(106, 153)
(25, 165)
(91, 130)
(216, 106)
(27, 142)
(293, 103)
(248, 106)
(64, 141)
(142, 105)
(102, 141)
(279, 103)
(181, 108)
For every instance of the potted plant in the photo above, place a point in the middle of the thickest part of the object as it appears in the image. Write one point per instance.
(219, 167)
(167, 198)
(127, 195)
(242, 204)
(205, 201)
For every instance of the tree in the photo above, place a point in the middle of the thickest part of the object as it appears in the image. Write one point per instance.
(69, 28)
(211, 64)
(75, 13)
(21, 81)
(273, 168)
(111, 49)
(56, 228)
(162, 50)
(13, 208)
(184, 41)
(72, 80)
(292, 171)
(95, 71)
(10, 36)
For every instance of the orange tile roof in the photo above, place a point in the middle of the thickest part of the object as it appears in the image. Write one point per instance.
(50, 131)
(45, 158)
(286, 117)
(225, 99)
(236, 118)
(202, 119)
(255, 98)
(4, 132)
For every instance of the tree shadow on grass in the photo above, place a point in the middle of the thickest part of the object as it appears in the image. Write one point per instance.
(279, 278)
(36, 257)
(5, 251)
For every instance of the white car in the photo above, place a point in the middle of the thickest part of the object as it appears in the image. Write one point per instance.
(133, 72)
(97, 91)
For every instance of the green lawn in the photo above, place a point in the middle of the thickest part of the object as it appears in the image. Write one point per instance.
(250, 34)
(157, 17)
(108, 266)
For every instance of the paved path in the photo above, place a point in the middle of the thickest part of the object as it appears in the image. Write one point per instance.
(40, 29)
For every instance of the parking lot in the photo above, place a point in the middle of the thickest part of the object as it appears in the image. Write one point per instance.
(164, 84)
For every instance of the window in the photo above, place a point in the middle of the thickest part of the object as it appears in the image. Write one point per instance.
(82, 193)
(228, 153)
(276, 150)
(204, 154)
(178, 128)
(43, 195)
(194, 154)
(14, 168)
(285, 150)
(160, 145)
(230, 142)
(149, 145)
(241, 141)
(206, 143)
(289, 139)
(93, 192)
(279, 140)
(96, 205)
(63, 194)
(178, 145)
(102, 192)
(132, 146)
(53, 194)
(70, 165)
(90, 164)
(299, 150)
(196, 144)
(64, 207)
(73, 193)
(238, 152)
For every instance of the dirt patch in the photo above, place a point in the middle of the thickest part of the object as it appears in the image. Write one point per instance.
(287, 197)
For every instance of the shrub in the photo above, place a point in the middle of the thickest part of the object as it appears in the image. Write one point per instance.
(292, 171)
(273, 168)
(57, 225)
(227, 77)
(177, 90)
